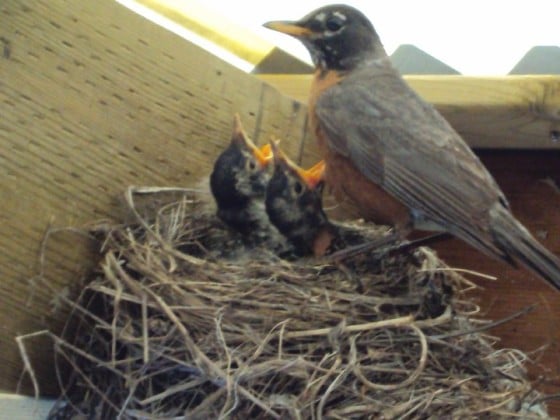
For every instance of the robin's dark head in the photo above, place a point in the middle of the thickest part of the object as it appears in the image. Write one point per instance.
(294, 203)
(241, 172)
(338, 37)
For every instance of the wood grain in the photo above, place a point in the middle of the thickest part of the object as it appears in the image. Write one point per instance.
(489, 112)
(95, 98)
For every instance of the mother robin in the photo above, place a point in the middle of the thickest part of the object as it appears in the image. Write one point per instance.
(393, 154)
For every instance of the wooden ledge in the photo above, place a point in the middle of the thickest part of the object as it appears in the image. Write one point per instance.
(490, 112)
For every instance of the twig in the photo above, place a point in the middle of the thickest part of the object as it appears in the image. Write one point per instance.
(26, 362)
(488, 326)
(145, 343)
(460, 270)
(386, 323)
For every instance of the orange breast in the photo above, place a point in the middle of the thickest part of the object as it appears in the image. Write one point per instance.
(372, 202)
(345, 180)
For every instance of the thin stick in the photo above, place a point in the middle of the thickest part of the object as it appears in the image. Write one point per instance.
(459, 270)
(393, 322)
(145, 342)
(154, 190)
(339, 379)
(26, 362)
(386, 323)
(488, 326)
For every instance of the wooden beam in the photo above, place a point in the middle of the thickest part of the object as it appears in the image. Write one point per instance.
(214, 27)
(94, 98)
(490, 112)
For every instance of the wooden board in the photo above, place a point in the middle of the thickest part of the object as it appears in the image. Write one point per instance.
(530, 180)
(94, 98)
(490, 112)
(217, 28)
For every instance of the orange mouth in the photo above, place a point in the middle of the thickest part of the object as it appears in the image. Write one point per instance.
(264, 154)
(314, 175)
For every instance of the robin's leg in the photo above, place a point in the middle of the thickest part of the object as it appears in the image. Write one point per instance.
(389, 244)
(395, 235)
(416, 243)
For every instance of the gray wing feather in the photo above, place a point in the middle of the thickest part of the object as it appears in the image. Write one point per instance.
(403, 144)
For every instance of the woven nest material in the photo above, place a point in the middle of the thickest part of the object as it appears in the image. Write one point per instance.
(183, 321)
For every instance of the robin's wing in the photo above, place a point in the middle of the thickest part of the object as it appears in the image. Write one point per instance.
(403, 144)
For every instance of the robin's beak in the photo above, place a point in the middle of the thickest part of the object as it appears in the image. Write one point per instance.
(239, 137)
(314, 175)
(275, 150)
(294, 29)
(280, 159)
(263, 155)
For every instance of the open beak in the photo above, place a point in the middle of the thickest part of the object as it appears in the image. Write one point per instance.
(314, 175)
(239, 137)
(289, 27)
(263, 155)
(277, 154)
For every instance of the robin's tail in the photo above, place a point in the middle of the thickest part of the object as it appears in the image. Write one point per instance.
(518, 244)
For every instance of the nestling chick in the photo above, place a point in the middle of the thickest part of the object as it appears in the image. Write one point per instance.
(238, 183)
(294, 205)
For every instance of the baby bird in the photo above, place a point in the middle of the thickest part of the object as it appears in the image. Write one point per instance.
(294, 205)
(238, 183)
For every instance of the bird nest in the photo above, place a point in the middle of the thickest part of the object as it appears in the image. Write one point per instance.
(183, 320)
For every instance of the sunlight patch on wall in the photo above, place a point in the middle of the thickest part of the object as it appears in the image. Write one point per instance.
(187, 34)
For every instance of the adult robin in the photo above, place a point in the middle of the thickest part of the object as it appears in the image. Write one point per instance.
(393, 154)
(238, 184)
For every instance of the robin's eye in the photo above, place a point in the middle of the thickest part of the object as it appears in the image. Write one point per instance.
(298, 188)
(334, 23)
